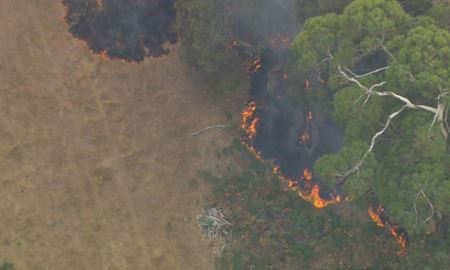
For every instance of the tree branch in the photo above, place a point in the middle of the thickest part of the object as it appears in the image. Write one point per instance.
(368, 73)
(206, 129)
(370, 91)
(372, 144)
(446, 121)
(429, 204)
(440, 114)
(415, 206)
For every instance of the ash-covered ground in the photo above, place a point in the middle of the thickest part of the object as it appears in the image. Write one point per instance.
(123, 29)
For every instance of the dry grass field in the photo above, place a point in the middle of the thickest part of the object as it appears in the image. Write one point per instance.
(95, 155)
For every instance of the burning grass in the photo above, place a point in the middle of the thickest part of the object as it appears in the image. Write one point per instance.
(305, 186)
(280, 39)
(272, 227)
(123, 29)
(380, 218)
(302, 186)
(254, 65)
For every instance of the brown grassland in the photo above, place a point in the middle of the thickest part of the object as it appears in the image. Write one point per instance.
(95, 155)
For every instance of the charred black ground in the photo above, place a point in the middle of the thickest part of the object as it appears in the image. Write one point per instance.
(277, 135)
(282, 120)
(123, 29)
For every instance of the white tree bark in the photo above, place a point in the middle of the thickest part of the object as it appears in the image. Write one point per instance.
(440, 111)
(372, 143)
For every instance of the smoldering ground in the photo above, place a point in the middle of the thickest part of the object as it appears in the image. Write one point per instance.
(123, 29)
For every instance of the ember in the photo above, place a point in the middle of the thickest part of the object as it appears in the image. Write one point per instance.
(307, 175)
(276, 170)
(380, 218)
(377, 215)
(254, 65)
(249, 121)
(304, 137)
(401, 237)
(280, 39)
(283, 133)
(249, 124)
(307, 84)
(123, 29)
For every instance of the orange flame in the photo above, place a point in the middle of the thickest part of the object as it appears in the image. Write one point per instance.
(316, 200)
(276, 170)
(251, 131)
(307, 84)
(304, 137)
(103, 54)
(401, 238)
(307, 174)
(249, 122)
(375, 215)
(248, 113)
(280, 39)
(307, 193)
(254, 66)
(232, 44)
(292, 184)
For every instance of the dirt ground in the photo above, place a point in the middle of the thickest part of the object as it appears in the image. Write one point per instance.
(95, 155)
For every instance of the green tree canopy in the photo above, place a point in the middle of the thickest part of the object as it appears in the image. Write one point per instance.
(420, 68)
(361, 30)
(401, 109)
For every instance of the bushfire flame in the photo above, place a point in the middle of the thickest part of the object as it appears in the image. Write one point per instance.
(376, 215)
(123, 30)
(254, 65)
(307, 84)
(304, 186)
(249, 121)
(401, 237)
(304, 137)
(380, 218)
(307, 175)
(280, 39)
(249, 124)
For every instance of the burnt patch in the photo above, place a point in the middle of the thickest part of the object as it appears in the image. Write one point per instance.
(123, 29)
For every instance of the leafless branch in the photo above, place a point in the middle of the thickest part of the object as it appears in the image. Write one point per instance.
(368, 73)
(429, 204)
(446, 121)
(415, 206)
(215, 228)
(385, 49)
(370, 90)
(330, 56)
(440, 113)
(372, 142)
(206, 129)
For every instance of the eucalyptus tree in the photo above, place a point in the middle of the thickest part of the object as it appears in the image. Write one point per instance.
(391, 74)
